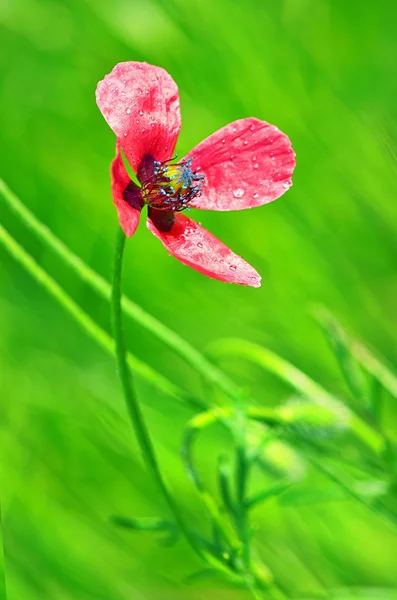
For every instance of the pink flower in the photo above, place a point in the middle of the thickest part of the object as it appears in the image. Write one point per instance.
(245, 164)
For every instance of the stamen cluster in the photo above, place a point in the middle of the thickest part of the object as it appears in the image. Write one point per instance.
(172, 186)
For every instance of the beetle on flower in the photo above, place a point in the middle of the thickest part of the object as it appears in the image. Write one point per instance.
(242, 165)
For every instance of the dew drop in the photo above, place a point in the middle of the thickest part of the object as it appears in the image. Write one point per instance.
(233, 267)
(256, 166)
(128, 111)
(143, 129)
(285, 186)
(199, 245)
(125, 134)
(255, 196)
(245, 142)
(234, 129)
(141, 112)
(252, 128)
(238, 193)
(254, 159)
(223, 141)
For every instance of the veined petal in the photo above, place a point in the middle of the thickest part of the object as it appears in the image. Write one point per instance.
(246, 163)
(126, 195)
(140, 102)
(196, 247)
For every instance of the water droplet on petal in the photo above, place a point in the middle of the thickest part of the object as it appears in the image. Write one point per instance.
(234, 129)
(285, 186)
(238, 193)
(233, 267)
(255, 196)
(252, 128)
(256, 166)
(141, 112)
(125, 134)
(199, 245)
(223, 141)
(253, 159)
(245, 142)
(128, 111)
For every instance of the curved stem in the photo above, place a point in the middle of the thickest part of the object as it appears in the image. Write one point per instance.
(133, 407)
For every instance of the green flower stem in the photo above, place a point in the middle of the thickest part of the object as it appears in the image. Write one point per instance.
(192, 356)
(133, 407)
(87, 323)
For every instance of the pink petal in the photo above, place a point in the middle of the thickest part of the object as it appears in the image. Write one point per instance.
(247, 163)
(198, 248)
(126, 195)
(140, 102)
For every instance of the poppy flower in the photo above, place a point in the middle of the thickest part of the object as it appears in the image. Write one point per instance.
(242, 165)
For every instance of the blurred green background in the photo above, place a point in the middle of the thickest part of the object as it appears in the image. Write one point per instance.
(323, 71)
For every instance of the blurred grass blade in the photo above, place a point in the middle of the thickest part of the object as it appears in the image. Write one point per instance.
(367, 359)
(153, 524)
(275, 490)
(143, 524)
(341, 347)
(172, 339)
(307, 496)
(86, 322)
(300, 381)
(342, 479)
(225, 484)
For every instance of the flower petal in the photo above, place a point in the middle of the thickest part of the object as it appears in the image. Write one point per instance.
(126, 195)
(140, 102)
(198, 248)
(246, 163)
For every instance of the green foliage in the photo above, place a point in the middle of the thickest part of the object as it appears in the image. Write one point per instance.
(294, 476)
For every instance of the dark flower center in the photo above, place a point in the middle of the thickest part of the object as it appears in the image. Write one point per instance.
(172, 187)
